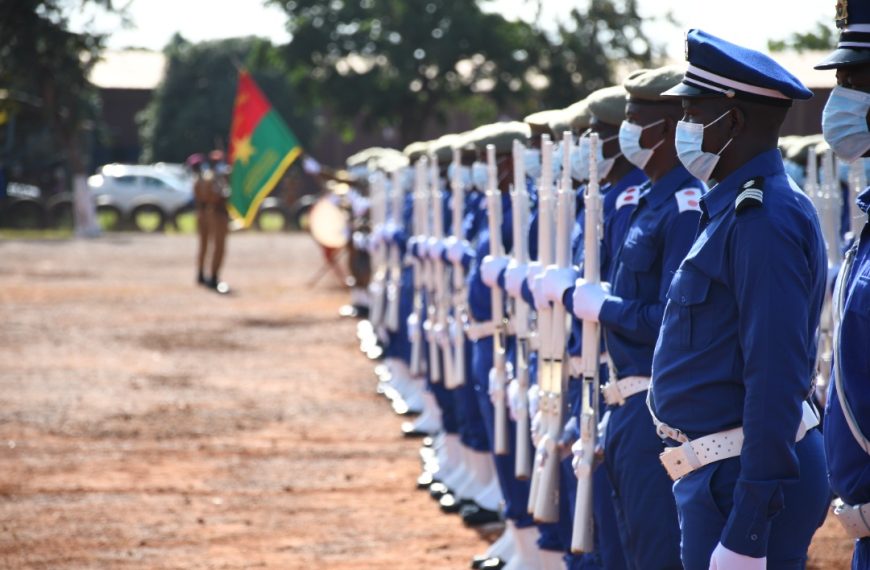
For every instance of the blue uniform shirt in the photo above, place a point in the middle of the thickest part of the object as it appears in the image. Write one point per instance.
(848, 464)
(660, 233)
(737, 344)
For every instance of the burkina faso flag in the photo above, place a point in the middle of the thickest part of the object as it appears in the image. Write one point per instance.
(261, 149)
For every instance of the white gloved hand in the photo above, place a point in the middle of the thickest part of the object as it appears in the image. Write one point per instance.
(537, 430)
(414, 331)
(534, 397)
(449, 241)
(441, 336)
(436, 249)
(576, 462)
(456, 249)
(724, 559)
(422, 248)
(513, 396)
(555, 281)
(496, 387)
(432, 248)
(490, 268)
(588, 299)
(514, 275)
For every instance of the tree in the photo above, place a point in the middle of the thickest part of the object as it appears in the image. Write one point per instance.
(822, 38)
(192, 107)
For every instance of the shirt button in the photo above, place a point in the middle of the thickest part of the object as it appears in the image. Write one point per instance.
(753, 537)
(683, 299)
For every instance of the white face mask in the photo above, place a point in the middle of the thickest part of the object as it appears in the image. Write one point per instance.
(464, 174)
(604, 164)
(689, 140)
(478, 175)
(576, 166)
(532, 162)
(629, 143)
(844, 123)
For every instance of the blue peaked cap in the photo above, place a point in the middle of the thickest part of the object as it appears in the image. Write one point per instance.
(853, 48)
(718, 68)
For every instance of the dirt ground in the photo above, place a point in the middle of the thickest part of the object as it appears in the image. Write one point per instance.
(149, 423)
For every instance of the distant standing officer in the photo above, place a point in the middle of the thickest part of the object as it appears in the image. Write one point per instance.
(847, 418)
(733, 367)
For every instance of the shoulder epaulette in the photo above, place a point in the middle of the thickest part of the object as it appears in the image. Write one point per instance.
(751, 194)
(628, 197)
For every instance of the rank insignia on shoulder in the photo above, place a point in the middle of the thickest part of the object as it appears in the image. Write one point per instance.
(689, 199)
(751, 194)
(628, 197)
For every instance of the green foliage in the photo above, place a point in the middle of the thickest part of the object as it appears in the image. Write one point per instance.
(192, 108)
(822, 38)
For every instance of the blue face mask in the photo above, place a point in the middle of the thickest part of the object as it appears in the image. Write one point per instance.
(464, 175)
(479, 175)
(689, 140)
(629, 143)
(532, 163)
(584, 156)
(844, 123)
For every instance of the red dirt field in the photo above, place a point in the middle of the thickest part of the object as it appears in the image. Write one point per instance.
(148, 423)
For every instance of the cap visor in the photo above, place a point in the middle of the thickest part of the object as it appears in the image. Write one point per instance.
(844, 57)
(686, 90)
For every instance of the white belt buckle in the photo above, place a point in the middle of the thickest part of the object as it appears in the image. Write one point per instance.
(680, 461)
(612, 393)
(855, 519)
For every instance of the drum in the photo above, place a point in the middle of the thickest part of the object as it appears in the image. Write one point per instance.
(329, 224)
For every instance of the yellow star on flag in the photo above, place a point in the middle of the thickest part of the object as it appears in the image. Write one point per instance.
(243, 150)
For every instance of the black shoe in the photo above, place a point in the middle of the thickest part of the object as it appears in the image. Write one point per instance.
(492, 564)
(450, 504)
(201, 280)
(219, 286)
(408, 430)
(438, 490)
(475, 515)
(426, 480)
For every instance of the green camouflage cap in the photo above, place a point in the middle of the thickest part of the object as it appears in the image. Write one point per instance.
(442, 148)
(608, 104)
(559, 123)
(649, 84)
(415, 150)
(578, 115)
(501, 135)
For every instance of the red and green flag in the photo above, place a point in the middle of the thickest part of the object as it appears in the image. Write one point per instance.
(261, 150)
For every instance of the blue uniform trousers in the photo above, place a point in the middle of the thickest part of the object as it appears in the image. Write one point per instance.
(704, 499)
(646, 511)
(861, 556)
(515, 492)
(472, 431)
(446, 402)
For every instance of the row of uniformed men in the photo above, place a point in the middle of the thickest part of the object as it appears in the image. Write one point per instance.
(709, 313)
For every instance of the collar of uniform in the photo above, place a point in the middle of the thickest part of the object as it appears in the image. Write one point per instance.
(722, 195)
(665, 187)
(864, 200)
(635, 177)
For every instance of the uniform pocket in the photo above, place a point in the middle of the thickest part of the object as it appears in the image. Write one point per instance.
(688, 291)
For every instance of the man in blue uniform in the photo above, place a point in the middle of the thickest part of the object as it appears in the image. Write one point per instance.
(847, 417)
(659, 235)
(734, 363)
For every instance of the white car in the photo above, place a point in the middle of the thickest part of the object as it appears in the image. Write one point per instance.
(146, 196)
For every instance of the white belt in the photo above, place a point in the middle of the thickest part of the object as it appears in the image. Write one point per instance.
(575, 364)
(478, 330)
(855, 519)
(691, 455)
(616, 392)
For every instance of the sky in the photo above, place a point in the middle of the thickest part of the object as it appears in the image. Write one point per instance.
(748, 22)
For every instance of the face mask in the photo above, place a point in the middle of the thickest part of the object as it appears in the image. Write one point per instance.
(629, 143)
(576, 166)
(464, 175)
(604, 164)
(844, 123)
(478, 175)
(532, 162)
(689, 140)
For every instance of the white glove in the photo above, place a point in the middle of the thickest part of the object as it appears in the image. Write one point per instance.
(513, 395)
(514, 275)
(534, 396)
(448, 243)
(490, 268)
(422, 247)
(433, 246)
(414, 332)
(456, 249)
(724, 559)
(588, 299)
(441, 335)
(555, 281)
(496, 387)
(576, 462)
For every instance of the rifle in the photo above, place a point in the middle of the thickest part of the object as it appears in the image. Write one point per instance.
(857, 184)
(394, 285)
(459, 310)
(543, 314)
(419, 210)
(440, 285)
(496, 249)
(556, 375)
(379, 262)
(520, 311)
(582, 537)
(427, 273)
